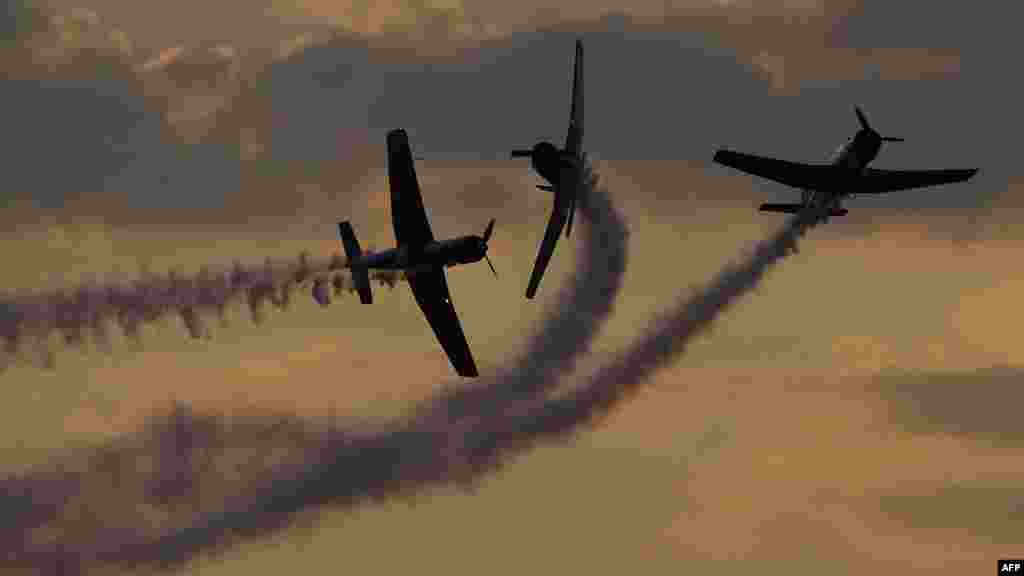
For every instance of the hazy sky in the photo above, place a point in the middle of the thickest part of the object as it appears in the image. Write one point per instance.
(786, 86)
(868, 387)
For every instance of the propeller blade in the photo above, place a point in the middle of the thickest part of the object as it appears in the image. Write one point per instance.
(486, 257)
(488, 231)
(862, 118)
(522, 153)
(891, 139)
(572, 212)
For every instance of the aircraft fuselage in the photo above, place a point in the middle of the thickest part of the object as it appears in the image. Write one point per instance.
(446, 253)
(550, 163)
(853, 156)
(824, 186)
(860, 151)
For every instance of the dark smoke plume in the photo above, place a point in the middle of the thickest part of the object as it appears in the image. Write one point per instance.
(326, 465)
(467, 444)
(557, 418)
(453, 440)
(27, 319)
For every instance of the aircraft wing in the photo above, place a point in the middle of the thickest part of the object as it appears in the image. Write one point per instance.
(574, 138)
(876, 181)
(430, 289)
(547, 248)
(408, 215)
(803, 176)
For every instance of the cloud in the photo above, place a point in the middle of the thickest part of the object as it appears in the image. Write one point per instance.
(88, 130)
(303, 127)
(988, 510)
(985, 316)
(986, 25)
(18, 19)
(980, 404)
(800, 480)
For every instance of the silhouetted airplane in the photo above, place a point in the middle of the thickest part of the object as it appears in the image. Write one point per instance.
(563, 170)
(421, 257)
(826, 185)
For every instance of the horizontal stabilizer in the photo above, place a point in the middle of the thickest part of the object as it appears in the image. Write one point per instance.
(796, 209)
(361, 277)
(360, 274)
(787, 208)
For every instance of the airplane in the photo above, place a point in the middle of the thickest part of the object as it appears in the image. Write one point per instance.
(419, 255)
(825, 186)
(563, 169)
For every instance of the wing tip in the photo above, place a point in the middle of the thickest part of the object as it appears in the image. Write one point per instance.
(533, 286)
(967, 174)
(397, 137)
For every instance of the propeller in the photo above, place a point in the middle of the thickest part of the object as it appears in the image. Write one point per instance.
(862, 119)
(487, 236)
(865, 126)
(488, 231)
(491, 265)
(572, 212)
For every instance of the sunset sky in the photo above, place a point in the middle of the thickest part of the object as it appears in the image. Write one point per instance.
(858, 411)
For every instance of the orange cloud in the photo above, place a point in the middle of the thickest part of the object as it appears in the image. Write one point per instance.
(990, 318)
(788, 69)
(809, 453)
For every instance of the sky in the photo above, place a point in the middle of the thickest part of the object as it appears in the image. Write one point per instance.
(866, 390)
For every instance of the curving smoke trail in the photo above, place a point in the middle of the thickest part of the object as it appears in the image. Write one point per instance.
(339, 467)
(568, 332)
(525, 424)
(444, 445)
(455, 438)
(28, 317)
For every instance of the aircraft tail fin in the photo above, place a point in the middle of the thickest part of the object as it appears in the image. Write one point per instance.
(360, 274)
(796, 209)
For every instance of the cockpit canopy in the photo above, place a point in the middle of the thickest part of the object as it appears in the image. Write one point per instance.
(841, 149)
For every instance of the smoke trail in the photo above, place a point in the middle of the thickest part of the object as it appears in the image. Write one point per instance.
(441, 445)
(350, 467)
(438, 449)
(343, 467)
(568, 332)
(25, 318)
(525, 424)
